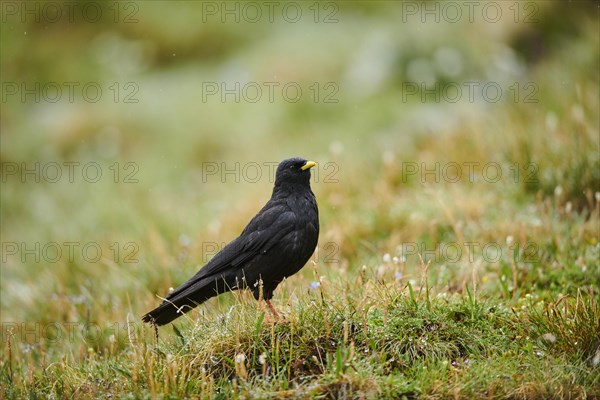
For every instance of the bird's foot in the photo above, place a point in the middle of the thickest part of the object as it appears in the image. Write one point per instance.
(273, 317)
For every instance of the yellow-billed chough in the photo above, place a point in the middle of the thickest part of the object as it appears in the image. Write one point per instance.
(275, 244)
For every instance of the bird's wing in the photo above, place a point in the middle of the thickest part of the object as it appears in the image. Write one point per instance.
(262, 232)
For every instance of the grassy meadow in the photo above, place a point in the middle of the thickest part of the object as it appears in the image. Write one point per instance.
(458, 184)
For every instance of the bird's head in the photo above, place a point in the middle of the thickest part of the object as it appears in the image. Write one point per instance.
(293, 171)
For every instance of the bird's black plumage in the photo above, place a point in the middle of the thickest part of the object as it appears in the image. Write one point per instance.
(275, 244)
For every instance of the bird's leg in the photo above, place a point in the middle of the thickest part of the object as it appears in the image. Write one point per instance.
(280, 319)
(259, 283)
(273, 310)
(265, 312)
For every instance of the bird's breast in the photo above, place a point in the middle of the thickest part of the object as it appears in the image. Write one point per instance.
(305, 209)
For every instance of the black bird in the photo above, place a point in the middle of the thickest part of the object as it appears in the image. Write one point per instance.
(275, 244)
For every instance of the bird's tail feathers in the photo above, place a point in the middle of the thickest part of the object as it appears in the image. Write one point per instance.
(186, 297)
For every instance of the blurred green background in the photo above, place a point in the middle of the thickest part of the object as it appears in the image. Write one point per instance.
(149, 109)
(139, 137)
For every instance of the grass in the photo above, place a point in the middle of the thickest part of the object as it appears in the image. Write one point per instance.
(422, 286)
(380, 339)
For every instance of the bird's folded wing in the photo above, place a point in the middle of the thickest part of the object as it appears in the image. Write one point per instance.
(261, 234)
(258, 237)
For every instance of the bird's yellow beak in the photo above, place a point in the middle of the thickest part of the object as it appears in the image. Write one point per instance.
(309, 164)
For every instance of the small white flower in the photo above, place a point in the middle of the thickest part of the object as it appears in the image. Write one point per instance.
(549, 337)
(596, 359)
(387, 258)
(184, 240)
(558, 191)
(262, 359)
(240, 358)
(509, 240)
(395, 260)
